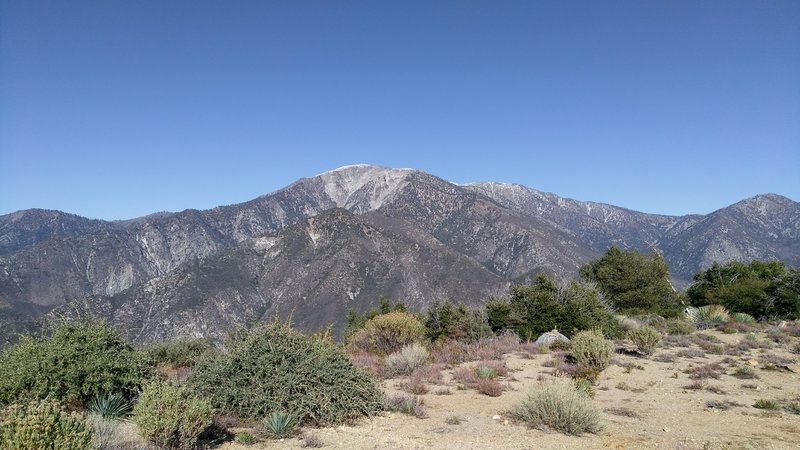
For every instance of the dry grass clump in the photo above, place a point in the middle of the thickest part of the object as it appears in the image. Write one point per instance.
(722, 405)
(624, 412)
(713, 370)
(558, 405)
(691, 353)
(778, 336)
(413, 406)
(415, 385)
(677, 341)
(312, 440)
(483, 377)
(678, 326)
(489, 386)
(664, 357)
(430, 373)
(373, 363)
(530, 349)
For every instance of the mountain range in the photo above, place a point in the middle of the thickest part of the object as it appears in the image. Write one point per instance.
(339, 241)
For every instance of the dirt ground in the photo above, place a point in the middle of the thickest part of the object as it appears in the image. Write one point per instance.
(645, 405)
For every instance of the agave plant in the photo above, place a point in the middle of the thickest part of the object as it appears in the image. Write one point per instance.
(110, 405)
(279, 424)
(708, 316)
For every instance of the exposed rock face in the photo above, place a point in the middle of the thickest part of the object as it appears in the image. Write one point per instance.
(341, 240)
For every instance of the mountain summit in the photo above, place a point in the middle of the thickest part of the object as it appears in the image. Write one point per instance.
(340, 240)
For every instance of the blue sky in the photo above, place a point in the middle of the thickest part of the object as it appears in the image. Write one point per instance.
(115, 109)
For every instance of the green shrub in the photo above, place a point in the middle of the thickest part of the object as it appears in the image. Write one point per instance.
(407, 359)
(634, 282)
(679, 326)
(558, 405)
(388, 333)
(171, 416)
(593, 353)
(645, 338)
(276, 368)
(356, 321)
(181, 352)
(445, 320)
(40, 425)
(543, 306)
(279, 425)
(78, 362)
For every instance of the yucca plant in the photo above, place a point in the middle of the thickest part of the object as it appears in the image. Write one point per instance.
(279, 424)
(744, 318)
(708, 316)
(110, 405)
(766, 404)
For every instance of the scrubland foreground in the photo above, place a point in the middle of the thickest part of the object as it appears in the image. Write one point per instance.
(636, 373)
(686, 396)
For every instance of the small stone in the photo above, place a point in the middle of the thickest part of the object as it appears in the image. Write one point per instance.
(752, 362)
(505, 422)
(666, 430)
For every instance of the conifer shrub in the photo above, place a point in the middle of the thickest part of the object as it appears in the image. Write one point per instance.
(645, 338)
(593, 353)
(446, 320)
(557, 404)
(388, 333)
(171, 416)
(275, 368)
(78, 362)
(42, 424)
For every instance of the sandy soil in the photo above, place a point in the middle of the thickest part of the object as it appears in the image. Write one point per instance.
(645, 406)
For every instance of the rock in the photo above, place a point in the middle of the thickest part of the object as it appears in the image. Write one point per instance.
(496, 417)
(550, 337)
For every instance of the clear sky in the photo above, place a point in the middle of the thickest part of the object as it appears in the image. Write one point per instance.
(115, 109)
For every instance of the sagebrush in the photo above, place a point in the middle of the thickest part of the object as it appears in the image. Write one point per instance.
(593, 353)
(558, 405)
